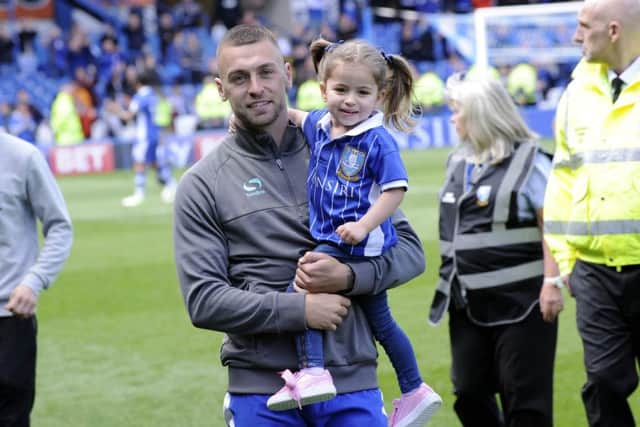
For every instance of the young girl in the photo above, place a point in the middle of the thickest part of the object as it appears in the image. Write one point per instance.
(356, 182)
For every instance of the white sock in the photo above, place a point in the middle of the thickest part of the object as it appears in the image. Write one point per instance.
(409, 393)
(313, 371)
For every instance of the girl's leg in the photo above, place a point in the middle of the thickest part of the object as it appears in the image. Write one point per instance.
(418, 402)
(393, 339)
(309, 346)
(313, 383)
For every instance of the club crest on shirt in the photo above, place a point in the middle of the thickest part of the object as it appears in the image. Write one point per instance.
(482, 194)
(351, 163)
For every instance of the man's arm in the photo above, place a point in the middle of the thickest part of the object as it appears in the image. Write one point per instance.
(201, 256)
(558, 195)
(401, 263)
(49, 207)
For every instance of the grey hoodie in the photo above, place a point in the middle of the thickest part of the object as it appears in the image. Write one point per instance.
(28, 193)
(241, 223)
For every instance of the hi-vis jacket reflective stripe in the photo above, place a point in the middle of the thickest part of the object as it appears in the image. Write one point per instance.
(592, 202)
(494, 257)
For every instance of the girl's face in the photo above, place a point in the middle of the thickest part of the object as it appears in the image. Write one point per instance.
(458, 121)
(351, 95)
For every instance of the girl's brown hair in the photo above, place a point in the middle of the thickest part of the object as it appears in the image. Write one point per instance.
(392, 74)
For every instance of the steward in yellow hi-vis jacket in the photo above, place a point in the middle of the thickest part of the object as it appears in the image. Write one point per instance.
(592, 204)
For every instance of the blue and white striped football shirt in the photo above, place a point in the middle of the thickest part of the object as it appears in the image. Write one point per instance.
(347, 175)
(143, 105)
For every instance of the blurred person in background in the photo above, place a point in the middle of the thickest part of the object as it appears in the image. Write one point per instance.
(65, 120)
(429, 92)
(78, 51)
(107, 63)
(22, 123)
(28, 195)
(23, 97)
(55, 48)
(522, 84)
(85, 98)
(212, 111)
(421, 42)
(135, 36)
(27, 36)
(166, 33)
(147, 149)
(228, 11)
(592, 223)
(7, 46)
(498, 280)
(191, 59)
(187, 14)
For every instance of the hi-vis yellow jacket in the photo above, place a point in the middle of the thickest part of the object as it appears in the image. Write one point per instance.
(592, 201)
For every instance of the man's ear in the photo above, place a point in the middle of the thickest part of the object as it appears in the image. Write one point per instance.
(614, 31)
(323, 91)
(220, 89)
(289, 73)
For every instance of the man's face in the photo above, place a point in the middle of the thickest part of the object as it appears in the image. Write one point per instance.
(254, 78)
(593, 33)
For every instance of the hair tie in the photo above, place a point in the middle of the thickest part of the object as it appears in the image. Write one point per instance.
(388, 59)
(328, 48)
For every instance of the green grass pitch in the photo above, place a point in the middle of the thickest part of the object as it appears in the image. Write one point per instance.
(116, 347)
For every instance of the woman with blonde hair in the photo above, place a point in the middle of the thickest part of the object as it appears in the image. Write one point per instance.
(496, 274)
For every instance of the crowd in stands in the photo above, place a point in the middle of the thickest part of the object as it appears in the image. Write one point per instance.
(91, 73)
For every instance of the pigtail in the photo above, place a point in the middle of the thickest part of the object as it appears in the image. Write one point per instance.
(317, 49)
(397, 104)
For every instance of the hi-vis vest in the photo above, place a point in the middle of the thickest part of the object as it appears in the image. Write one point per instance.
(209, 104)
(65, 122)
(495, 258)
(309, 96)
(592, 203)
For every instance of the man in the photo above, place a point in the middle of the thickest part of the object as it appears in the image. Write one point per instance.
(147, 150)
(592, 204)
(241, 223)
(28, 192)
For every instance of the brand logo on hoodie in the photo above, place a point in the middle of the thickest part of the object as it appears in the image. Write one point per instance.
(253, 187)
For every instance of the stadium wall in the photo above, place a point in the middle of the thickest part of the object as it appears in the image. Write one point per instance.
(105, 155)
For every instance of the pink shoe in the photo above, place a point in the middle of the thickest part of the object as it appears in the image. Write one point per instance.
(416, 409)
(302, 389)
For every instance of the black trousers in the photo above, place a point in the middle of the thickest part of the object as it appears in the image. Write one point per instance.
(608, 318)
(515, 361)
(17, 370)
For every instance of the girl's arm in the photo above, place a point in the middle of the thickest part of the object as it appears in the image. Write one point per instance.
(297, 116)
(353, 233)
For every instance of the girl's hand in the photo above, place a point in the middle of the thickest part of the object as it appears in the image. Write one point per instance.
(352, 233)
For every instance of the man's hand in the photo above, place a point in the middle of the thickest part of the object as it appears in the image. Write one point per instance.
(322, 273)
(551, 302)
(325, 311)
(22, 302)
(352, 233)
